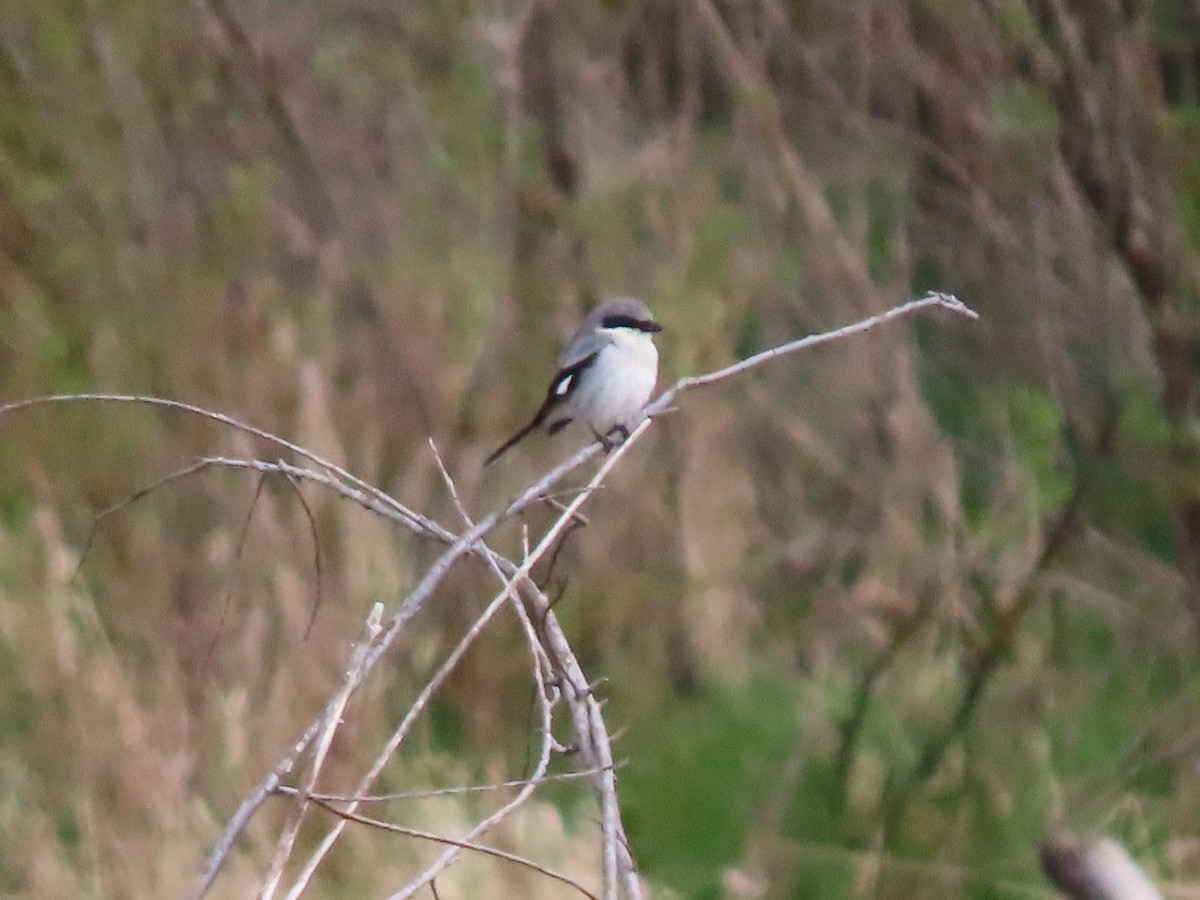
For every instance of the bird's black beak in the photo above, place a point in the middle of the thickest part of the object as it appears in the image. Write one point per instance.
(649, 325)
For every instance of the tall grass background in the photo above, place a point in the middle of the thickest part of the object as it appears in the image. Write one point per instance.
(876, 621)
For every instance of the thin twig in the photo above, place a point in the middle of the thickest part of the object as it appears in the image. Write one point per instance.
(537, 658)
(419, 705)
(440, 792)
(227, 603)
(333, 717)
(470, 542)
(936, 299)
(451, 488)
(585, 711)
(138, 494)
(584, 717)
(560, 506)
(411, 519)
(453, 842)
(398, 736)
(312, 527)
(574, 525)
(548, 746)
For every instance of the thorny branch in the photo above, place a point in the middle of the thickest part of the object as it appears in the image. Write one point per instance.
(418, 706)
(556, 670)
(333, 717)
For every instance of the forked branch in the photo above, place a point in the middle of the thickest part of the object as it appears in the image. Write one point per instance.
(556, 670)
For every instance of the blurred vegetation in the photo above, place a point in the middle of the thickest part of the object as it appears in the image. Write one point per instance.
(877, 620)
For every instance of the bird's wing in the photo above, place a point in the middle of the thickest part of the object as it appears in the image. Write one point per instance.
(566, 381)
(581, 348)
(560, 388)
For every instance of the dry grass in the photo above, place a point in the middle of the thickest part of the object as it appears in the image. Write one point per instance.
(361, 225)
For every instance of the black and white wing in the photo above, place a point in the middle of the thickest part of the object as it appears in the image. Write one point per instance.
(563, 385)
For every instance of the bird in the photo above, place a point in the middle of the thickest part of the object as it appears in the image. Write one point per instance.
(605, 376)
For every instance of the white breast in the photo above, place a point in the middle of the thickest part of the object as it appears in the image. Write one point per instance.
(617, 385)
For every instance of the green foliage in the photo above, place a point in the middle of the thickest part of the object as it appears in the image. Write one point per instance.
(1021, 111)
(66, 828)
(1033, 423)
(1016, 20)
(1187, 194)
(19, 704)
(698, 772)
(716, 238)
(236, 210)
(887, 210)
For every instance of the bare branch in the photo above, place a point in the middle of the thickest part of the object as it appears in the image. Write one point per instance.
(537, 658)
(461, 845)
(398, 736)
(459, 547)
(408, 517)
(227, 603)
(586, 715)
(312, 527)
(137, 495)
(451, 488)
(333, 717)
(418, 706)
(524, 794)
(552, 649)
(440, 792)
(933, 299)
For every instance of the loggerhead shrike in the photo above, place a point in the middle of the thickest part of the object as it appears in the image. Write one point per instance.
(605, 375)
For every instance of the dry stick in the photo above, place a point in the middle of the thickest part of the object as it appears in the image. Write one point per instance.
(407, 609)
(586, 715)
(595, 749)
(407, 517)
(333, 717)
(439, 792)
(451, 487)
(138, 494)
(398, 736)
(312, 527)
(463, 845)
(585, 711)
(537, 658)
(471, 542)
(548, 746)
(618, 865)
(227, 603)
(933, 299)
(426, 527)
(418, 706)
(610, 823)
(600, 754)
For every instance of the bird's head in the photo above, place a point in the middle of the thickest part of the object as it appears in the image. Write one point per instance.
(623, 313)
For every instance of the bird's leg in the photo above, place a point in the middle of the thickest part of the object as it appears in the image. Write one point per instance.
(617, 435)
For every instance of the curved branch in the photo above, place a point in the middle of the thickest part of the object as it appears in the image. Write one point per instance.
(461, 845)
(584, 709)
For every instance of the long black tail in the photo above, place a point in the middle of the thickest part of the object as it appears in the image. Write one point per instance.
(561, 388)
(503, 448)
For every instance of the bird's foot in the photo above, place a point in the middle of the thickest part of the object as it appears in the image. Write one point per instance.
(617, 435)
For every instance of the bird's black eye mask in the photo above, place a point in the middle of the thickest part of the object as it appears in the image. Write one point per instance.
(622, 321)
